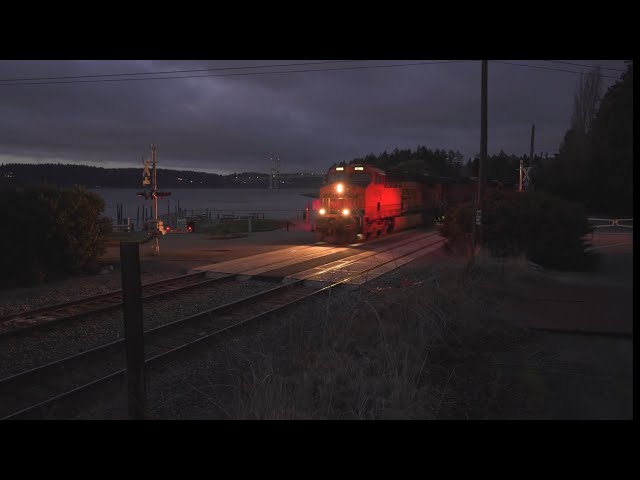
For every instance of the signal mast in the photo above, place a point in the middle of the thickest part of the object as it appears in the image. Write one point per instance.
(150, 185)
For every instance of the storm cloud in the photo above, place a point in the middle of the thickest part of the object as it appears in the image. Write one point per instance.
(226, 124)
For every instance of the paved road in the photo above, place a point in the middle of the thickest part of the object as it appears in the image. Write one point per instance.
(598, 302)
(181, 252)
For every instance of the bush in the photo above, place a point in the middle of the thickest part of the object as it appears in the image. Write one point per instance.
(549, 230)
(457, 227)
(504, 232)
(556, 231)
(50, 230)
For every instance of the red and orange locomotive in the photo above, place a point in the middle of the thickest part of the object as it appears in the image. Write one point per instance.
(360, 201)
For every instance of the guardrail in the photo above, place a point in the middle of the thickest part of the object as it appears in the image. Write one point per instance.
(615, 222)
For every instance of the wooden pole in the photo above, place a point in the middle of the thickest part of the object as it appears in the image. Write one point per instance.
(533, 134)
(483, 135)
(156, 241)
(133, 328)
(482, 174)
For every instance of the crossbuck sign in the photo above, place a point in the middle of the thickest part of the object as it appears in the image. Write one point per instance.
(146, 174)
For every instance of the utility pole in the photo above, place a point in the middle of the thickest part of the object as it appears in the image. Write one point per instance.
(483, 136)
(533, 133)
(482, 173)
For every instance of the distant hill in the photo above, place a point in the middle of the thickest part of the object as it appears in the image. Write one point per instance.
(16, 175)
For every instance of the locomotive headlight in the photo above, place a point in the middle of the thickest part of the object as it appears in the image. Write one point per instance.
(322, 211)
(339, 188)
(345, 212)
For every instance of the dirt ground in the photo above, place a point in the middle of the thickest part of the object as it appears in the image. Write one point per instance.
(600, 301)
(578, 363)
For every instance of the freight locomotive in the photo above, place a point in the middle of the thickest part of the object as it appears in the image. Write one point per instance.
(358, 202)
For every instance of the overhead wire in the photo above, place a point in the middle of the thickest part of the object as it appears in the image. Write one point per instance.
(105, 80)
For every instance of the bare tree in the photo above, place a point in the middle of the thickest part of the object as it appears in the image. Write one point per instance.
(570, 171)
(585, 101)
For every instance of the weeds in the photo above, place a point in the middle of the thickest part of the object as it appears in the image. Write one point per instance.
(413, 348)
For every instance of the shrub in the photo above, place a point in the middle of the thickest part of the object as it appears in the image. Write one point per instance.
(549, 230)
(556, 231)
(457, 227)
(503, 223)
(50, 230)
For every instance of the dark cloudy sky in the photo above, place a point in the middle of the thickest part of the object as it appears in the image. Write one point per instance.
(234, 123)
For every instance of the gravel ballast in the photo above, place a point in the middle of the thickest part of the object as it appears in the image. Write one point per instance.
(20, 352)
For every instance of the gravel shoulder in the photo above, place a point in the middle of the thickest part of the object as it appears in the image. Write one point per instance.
(178, 255)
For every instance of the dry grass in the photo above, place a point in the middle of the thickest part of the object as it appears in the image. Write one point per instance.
(419, 344)
(421, 347)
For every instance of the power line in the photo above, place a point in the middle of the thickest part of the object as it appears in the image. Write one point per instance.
(73, 79)
(234, 74)
(585, 65)
(37, 80)
(172, 71)
(548, 68)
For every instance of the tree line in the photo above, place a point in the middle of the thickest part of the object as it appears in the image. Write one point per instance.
(595, 163)
(502, 167)
(21, 175)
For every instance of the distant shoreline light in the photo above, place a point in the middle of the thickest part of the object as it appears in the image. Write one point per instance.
(247, 175)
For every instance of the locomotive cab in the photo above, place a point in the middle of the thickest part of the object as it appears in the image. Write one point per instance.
(340, 216)
(362, 201)
(356, 202)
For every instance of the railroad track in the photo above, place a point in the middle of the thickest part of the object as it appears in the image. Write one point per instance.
(32, 393)
(30, 320)
(45, 316)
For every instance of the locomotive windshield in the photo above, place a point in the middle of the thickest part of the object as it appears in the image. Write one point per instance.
(335, 177)
(360, 179)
